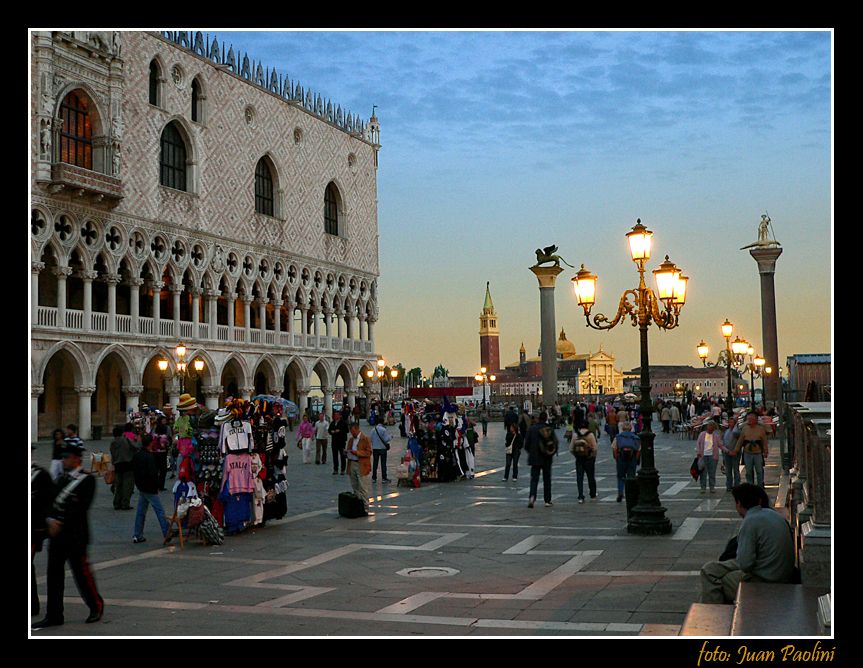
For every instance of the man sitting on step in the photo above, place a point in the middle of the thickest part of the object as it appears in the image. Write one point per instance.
(765, 550)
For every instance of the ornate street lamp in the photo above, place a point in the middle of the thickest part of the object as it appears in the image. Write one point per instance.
(643, 306)
(484, 378)
(732, 356)
(183, 370)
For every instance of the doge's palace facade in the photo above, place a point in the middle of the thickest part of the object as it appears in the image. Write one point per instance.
(181, 192)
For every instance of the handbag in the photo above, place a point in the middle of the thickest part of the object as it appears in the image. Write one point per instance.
(109, 477)
(693, 470)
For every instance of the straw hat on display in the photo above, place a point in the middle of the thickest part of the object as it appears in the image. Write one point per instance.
(187, 402)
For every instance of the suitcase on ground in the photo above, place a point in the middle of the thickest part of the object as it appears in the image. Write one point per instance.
(351, 506)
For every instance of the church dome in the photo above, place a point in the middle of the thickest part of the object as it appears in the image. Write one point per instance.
(565, 348)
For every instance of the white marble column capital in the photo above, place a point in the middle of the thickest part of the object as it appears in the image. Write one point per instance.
(132, 390)
(37, 267)
(85, 390)
(63, 272)
(89, 275)
(36, 390)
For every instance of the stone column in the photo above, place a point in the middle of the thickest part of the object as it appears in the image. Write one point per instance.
(176, 291)
(304, 324)
(339, 325)
(371, 323)
(84, 412)
(262, 317)
(62, 274)
(547, 277)
(352, 398)
(277, 318)
(211, 396)
(247, 300)
(328, 401)
(212, 313)
(133, 396)
(112, 280)
(349, 325)
(232, 300)
(328, 315)
(246, 392)
(134, 302)
(88, 277)
(766, 258)
(196, 311)
(289, 308)
(157, 309)
(35, 269)
(361, 318)
(302, 401)
(316, 316)
(35, 392)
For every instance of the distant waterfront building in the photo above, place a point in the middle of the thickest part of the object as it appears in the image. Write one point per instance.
(578, 374)
(182, 193)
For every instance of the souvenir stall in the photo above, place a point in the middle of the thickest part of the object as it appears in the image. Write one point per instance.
(232, 466)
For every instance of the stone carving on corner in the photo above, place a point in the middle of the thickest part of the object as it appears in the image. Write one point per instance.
(45, 139)
(218, 262)
(115, 158)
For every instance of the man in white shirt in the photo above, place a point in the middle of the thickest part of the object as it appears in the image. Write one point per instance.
(322, 433)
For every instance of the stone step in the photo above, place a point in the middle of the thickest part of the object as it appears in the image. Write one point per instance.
(708, 619)
(768, 609)
(660, 630)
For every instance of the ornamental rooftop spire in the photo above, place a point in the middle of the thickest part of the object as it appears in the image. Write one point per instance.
(273, 82)
(488, 306)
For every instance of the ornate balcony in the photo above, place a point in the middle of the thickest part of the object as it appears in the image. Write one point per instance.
(86, 183)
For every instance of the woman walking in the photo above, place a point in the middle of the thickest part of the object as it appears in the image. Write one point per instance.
(306, 435)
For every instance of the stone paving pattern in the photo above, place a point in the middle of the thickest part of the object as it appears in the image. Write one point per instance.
(566, 570)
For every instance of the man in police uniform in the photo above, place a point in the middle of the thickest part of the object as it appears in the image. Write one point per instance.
(41, 502)
(69, 533)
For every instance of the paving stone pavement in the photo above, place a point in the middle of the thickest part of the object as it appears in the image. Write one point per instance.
(566, 570)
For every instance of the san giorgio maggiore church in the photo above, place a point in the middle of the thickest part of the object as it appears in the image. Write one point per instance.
(577, 374)
(180, 192)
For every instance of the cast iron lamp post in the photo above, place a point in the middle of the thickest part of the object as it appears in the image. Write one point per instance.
(732, 356)
(642, 305)
(183, 369)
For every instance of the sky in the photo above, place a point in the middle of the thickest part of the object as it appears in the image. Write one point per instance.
(497, 143)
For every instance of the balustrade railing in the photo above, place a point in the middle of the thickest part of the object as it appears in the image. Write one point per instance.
(46, 316)
(124, 324)
(222, 333)
(99, 322)
(74, 319)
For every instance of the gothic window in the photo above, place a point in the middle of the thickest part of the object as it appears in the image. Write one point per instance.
(196, 101)
(331, 210)
(263, 188)
(172, 159)
(76, 136)
(154, 83)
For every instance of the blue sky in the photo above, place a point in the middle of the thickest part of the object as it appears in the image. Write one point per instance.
(496, 143)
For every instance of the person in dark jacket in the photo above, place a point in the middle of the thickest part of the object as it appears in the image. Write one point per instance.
(539, 458)
(69, 532)
(122, 452)
(338, 438)
(510, 418)
(147, 481)
(514, 442)
(41, 500)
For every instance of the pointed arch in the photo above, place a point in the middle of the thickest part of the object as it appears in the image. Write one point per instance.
(345, 371)
(267, 187)
(322, 368)
(81, 369)
(269, 368)
(238, 362)
(209, 373)
(178, 157)
(128, 367)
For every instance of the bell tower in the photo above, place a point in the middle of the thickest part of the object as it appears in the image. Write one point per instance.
(489, 346)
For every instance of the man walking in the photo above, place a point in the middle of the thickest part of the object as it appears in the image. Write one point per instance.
(541, 448)
(322, 427)
(380, 444)
(122, 452)
(359, 452)
(41, 501)
(753, 442)
(147, 481)
(626, 450)
(338, 431)
(70, 534)
(707, 451)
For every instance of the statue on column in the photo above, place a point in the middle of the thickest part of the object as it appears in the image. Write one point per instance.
(45, 138)
(764, 232)
(548, 254)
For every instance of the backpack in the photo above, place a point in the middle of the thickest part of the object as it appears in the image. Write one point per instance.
(579, 447)
(626, 443)
(547, 440)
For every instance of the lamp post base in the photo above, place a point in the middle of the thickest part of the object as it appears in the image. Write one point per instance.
(647, 518)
